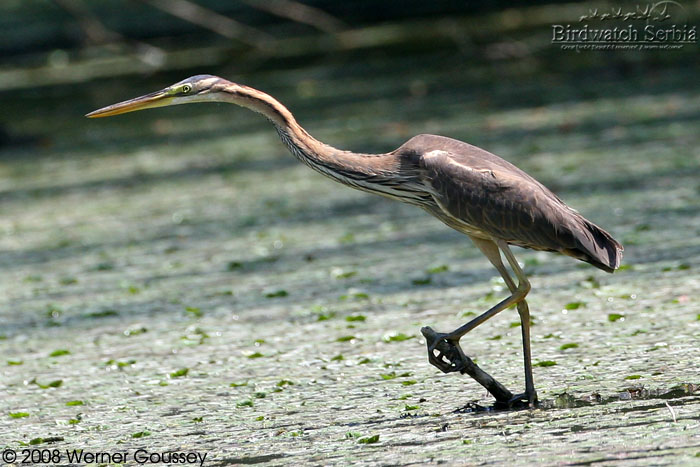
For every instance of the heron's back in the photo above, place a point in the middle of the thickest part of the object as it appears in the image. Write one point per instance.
(480, 194)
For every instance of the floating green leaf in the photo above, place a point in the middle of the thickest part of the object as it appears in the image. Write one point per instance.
(53, 384)
(59, 352)
(369, 439)
(354, 318)
(570, 345)
(19, 414)
(233, 265)
(437, 269)
(612, 317)
(400, 337)
(345, 338)
(102, 314)
(180, 373)
(277, 293)
(422, 281)
(545, 363)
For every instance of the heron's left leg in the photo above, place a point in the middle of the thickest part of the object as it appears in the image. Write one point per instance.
(444, 351)
(524, 312)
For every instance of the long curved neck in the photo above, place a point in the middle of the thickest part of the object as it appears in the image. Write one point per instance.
(376, 173)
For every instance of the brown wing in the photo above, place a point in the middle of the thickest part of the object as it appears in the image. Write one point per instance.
(491, 196)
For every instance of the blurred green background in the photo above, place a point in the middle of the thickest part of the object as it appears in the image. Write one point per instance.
(408, 62)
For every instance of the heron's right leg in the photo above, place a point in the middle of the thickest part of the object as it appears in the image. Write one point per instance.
(524, 312)
(491, 251)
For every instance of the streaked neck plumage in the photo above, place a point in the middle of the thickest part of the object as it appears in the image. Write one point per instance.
(375, 173)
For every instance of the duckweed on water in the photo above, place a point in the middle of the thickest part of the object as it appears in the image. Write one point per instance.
(277, 293)
(354, 296)
(612, 317)
(400, 337)
(48, 440)
(574, 305)
(18, 414)
(194, 311)
(325, 316)
(53, 384)
(354, 318)
(74, 403)
(256, 355)
(238, 385)
(140, 434)
(411, 407)
(422, 281)
(570, 345)
(15, 362)
(102, 314)
(135, 330)
(345, 338)
(437, 269)
(180, 373)
(338, 358)
(545, 363)
(340, 274)
(59, 352)
(369, 439)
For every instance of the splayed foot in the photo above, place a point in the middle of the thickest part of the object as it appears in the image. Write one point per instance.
(448, 356)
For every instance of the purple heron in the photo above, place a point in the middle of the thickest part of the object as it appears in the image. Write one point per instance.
(471, 190)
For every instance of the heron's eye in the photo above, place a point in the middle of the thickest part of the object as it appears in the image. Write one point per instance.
(186, 89)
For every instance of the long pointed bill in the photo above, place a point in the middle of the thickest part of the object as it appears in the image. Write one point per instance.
(149, 101)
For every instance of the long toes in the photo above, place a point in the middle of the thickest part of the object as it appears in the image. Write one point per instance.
(522, 401)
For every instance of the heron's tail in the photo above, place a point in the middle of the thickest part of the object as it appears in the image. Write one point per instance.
(597, 247)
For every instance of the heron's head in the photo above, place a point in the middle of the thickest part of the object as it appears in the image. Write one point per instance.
(198, 88)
